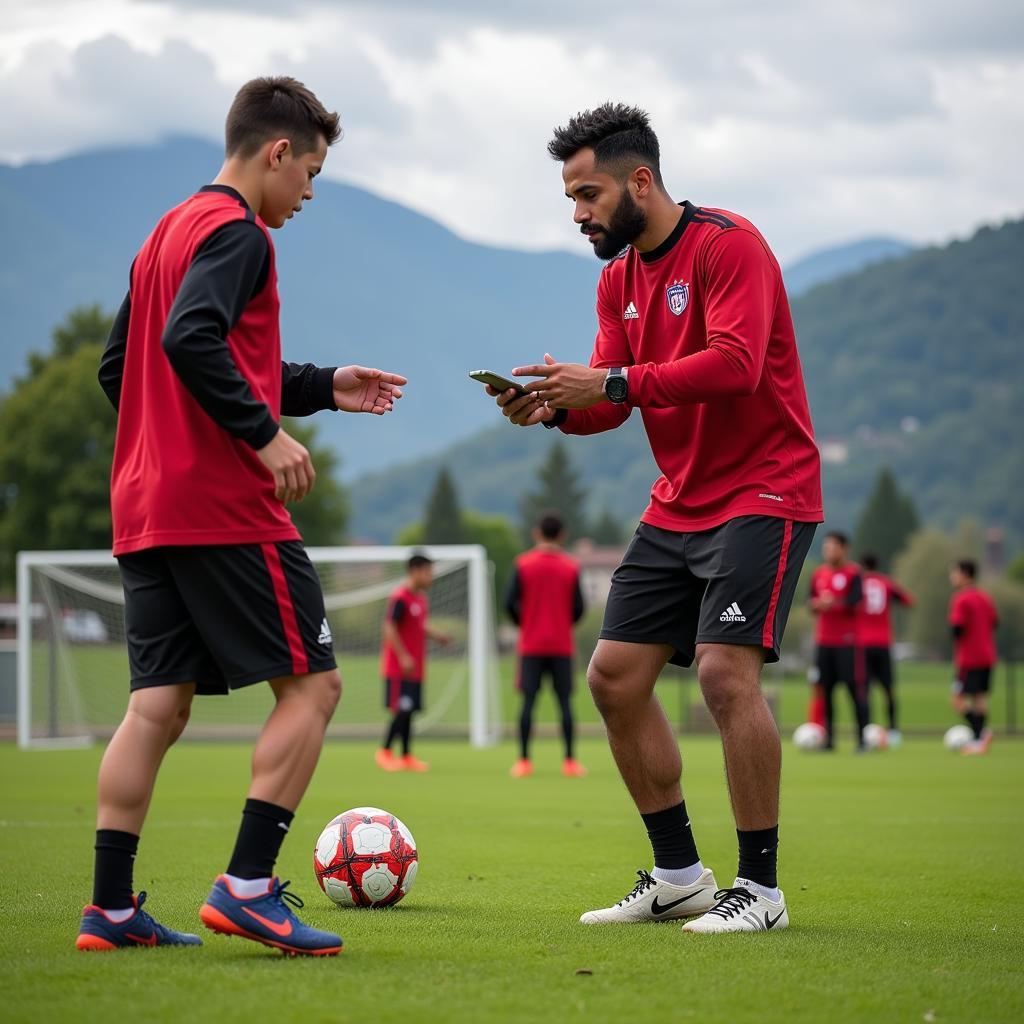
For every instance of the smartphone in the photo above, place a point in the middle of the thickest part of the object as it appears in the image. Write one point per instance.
(496, 381)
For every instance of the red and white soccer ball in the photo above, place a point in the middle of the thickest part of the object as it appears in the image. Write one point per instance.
(810, 736)
(365, 857)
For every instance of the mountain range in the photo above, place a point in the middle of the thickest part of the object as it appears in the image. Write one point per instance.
(362, 280)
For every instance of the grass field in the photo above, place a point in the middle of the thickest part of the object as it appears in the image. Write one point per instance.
(902, 870)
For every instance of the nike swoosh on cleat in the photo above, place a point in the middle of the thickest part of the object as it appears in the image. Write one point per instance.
(150, 941)
(661, 908)
(282, 928)
(770, 923)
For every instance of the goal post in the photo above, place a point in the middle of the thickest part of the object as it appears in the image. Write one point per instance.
(72, 663)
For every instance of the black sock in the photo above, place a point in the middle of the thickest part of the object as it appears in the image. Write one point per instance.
(568, 729)
(392, 733)
(112, 880)
(260, 835)
(671, 838)
(758, 853)
(406, 733)
(976, 722)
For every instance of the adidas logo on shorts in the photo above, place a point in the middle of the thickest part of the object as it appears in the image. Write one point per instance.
(325, 633)
(732, 614)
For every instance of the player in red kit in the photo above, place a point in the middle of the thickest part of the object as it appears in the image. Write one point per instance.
(545, 601)
(694, 331)
(874, 633)
(404, 661)
(973, 619)
(835, 598)
(219, 592)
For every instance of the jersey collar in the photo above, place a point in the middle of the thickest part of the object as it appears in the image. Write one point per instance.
(226, 190)
(677, 232)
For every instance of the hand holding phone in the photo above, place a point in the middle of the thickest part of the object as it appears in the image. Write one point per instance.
(497, 382)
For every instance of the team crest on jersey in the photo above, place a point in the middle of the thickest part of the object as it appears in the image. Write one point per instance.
(678, 297)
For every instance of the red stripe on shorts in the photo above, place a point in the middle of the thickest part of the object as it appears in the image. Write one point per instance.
(768, 633)
(300, 663)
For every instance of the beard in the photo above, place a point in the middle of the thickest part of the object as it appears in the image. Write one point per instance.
(626, 222)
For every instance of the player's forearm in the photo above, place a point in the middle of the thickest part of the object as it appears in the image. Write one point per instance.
(306, 389)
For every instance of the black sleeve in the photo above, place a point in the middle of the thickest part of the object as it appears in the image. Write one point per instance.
(513, 596)
(306, 389)
(112, 360)
(855, 593)
(229, 268)
(398, 611)
(958, 631)
(578, 605)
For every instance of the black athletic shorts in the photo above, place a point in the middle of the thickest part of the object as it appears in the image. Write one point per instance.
(223, 616)
(973, 680)
(733, 584)
(533, 668)
(840, 665)
(403, 695)
(878, 665)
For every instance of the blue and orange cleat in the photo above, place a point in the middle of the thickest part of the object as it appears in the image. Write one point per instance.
(266, 918)
(98, 933)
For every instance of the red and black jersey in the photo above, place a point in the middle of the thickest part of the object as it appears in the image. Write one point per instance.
(193, 367)
(408, 610)
(837, 624)
(703, 324)
(974, 619)
(874, 621)
(545, 600)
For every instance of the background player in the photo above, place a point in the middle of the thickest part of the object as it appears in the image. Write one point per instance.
(544, 600)
(874, 633)
(694, 330)
(219, 592)
(835, 597)
(973, 618)
(404, 661)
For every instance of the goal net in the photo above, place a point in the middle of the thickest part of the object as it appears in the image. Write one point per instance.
(73, 663)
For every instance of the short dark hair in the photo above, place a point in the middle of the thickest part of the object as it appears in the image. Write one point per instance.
(418, 559)
(869, 561)
(278, 107)
(968, 567)
(551, 525)
(838, 535)
(621, 137)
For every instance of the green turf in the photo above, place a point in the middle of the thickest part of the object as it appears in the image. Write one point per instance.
(902, 870)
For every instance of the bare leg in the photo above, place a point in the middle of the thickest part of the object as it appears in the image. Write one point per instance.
(730, 679)
(155, 718)
(289, 746)
(622, 678)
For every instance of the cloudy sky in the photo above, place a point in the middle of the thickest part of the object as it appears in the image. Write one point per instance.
(822, 122)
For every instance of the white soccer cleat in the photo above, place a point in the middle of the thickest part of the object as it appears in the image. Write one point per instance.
(742, 910)
(654, 900)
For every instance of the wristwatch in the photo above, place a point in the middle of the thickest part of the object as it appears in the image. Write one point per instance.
(616, 387)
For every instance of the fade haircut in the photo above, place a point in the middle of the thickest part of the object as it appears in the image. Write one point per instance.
(277, 108)
(620, 136)
(551, 526)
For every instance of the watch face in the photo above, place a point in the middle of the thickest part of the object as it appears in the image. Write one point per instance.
(616, 388)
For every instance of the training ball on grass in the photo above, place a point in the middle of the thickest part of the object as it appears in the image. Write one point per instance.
(810, 736)
(365, 857)
(957, 737)
(875, 737)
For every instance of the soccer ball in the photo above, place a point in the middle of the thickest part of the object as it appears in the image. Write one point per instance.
(810, 736)
(365, 857)
(875, 737)
(957, 737)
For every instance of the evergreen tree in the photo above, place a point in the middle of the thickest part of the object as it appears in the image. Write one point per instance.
(886, 521)
(559, 490)
(442, 517)
(606, 530)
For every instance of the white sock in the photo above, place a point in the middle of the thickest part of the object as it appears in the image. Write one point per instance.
(248, 887)
(761, 890)
(119, 916)
(679, 876)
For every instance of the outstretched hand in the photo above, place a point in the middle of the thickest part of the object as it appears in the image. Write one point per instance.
(362, 389)
(564, 385)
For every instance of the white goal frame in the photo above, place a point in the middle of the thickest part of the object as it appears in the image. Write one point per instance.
(484, 699)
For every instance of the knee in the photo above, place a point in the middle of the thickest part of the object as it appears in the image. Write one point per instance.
(178, 723)
(723, 688)
(330, 692)
(605, 684)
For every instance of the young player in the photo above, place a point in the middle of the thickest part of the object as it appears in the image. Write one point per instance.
(404, 661)
(874, 633)
(219, 592)
(973, 618)
(835, 597)
(545, 601)
(694, 330)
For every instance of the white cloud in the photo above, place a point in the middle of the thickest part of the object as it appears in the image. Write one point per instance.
(821, 123)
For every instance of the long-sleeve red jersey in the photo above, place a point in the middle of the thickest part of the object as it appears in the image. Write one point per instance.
(874, 621)
(703, 324)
